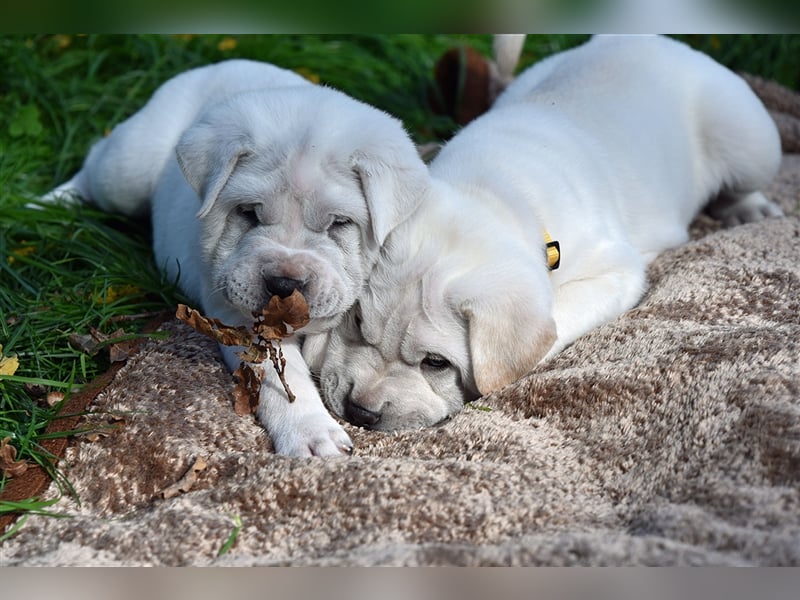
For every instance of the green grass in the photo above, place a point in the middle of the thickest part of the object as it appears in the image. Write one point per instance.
(67, 270)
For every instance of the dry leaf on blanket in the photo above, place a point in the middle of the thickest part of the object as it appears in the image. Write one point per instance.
(188, 480)
(214, 328)
(245, 394)
(9, 465)
(279, 320)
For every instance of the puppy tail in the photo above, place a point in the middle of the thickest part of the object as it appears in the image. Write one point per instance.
(507, 48)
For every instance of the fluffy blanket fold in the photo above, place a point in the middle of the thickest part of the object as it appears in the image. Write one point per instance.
(670, 436)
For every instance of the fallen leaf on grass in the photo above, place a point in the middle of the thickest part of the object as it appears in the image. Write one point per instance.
(35, 391)
(188, 480)
(95, 340)
(8, 364)
(9, 465)
(279, 320)
(54, 398)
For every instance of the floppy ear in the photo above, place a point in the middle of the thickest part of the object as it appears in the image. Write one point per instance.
(207, 154)
(393, 184)
(509, 333)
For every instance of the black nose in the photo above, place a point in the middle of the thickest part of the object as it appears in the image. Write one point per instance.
(282, 286)
(363, 417)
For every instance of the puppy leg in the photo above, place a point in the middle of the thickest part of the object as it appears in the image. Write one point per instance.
(582, 304)
(737, 208)
(303, 427)
(742, 147)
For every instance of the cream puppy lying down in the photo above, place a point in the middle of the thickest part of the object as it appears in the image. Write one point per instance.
(260, 183)
(611, 149)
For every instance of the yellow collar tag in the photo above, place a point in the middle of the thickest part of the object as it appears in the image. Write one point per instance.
(552, 251)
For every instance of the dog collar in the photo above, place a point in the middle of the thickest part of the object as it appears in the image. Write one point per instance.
(552, 252)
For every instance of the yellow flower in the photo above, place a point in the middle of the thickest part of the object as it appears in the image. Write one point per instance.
(21, 251)
(8, 364)
(63, 41)
(113, 293)
(226, 44)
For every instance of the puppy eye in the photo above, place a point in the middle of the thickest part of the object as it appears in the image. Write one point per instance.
(248, 212)
(352, 331)
(355, 316)
(436, 362)
(340, 222)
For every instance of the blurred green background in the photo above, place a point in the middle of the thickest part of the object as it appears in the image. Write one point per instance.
(59, 92)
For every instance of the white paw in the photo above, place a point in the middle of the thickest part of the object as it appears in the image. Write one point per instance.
(747, 209)
(316, 434)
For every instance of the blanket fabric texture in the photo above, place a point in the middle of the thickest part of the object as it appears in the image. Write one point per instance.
(670, 436)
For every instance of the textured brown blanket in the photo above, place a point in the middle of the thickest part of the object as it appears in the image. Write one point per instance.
(669, 436)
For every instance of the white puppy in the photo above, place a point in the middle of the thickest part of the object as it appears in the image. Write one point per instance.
(261, 183)
(611, 148)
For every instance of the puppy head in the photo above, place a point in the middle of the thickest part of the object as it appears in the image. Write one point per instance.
(440, 323)
(297, 188)
(510, 328)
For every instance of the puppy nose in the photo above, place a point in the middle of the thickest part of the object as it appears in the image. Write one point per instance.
(282, 286)
(363, 417)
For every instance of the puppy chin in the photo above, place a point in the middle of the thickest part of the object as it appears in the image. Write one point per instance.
(409, 421)
(403, 404)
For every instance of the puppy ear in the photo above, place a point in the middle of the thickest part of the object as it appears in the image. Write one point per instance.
(508, 336)
(393, 183)
(207, 154)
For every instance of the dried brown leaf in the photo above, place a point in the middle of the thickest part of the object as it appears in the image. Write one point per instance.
(224, 334)
(256, 353)
(272, 323)
(84, 342)
(186, 483)
(248, 387)
(121, 351)
(279, 320)
(95, 340)
(9, 465)
(35, 390)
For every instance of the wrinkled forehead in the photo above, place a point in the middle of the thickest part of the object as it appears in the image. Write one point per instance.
(303, 177)
(409, 318)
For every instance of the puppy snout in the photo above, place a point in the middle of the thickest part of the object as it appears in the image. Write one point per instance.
(360, 416)
(282, 286)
